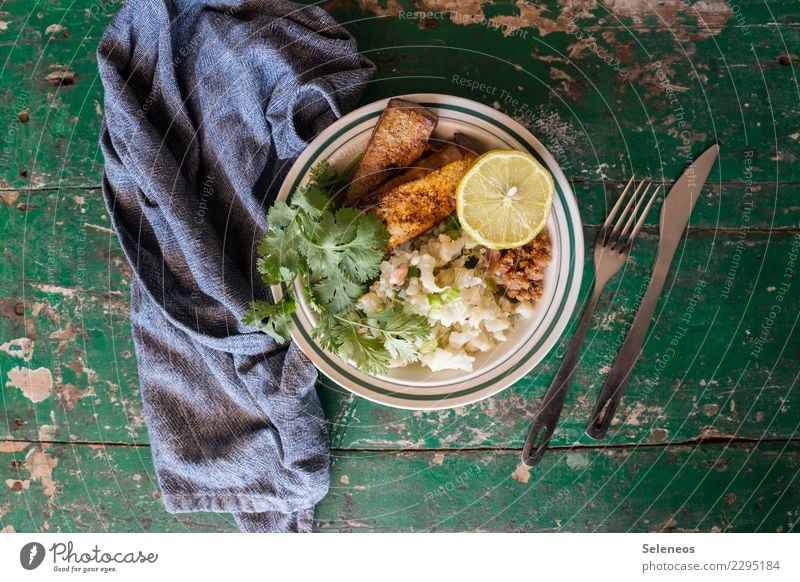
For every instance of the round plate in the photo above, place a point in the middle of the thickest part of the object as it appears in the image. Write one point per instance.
(414, 386)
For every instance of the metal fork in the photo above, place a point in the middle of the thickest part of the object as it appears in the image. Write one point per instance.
(611, 249)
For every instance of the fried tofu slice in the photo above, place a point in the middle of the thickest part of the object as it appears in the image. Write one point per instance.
(459, 146)
(413, 207)
(423, 166)
(399, 139)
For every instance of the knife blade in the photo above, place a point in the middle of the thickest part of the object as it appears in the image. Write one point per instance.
(675, 213)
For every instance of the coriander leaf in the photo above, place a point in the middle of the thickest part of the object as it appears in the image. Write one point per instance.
(281, 215)
(338, 292)
(344, 337)
(319, 248)
(371, 347)
(270, 269)
(372, 356)
(368, 352)
(286, 274)
(279, 259)
(311, 201)
(403, 324)
(335, 253)
(346, 242)
(323, 174)
(312, 298)
(328, 332)
(347, 221)
(274, 319)
(400, 349)
(362, 261)
(333, 237)
(371, 227)
(401, 328)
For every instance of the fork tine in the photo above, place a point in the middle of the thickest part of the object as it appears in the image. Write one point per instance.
(640, 222)
(622, 196)
(623, 235)
(615, 233)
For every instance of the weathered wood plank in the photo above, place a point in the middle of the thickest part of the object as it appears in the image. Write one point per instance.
(87, 18)
(608, 123)
(65, 235)
(708, 488)
(611, 104)
(732, 84)
(65, 488)
(67, 365)
(61, 237)
(703, 373)
(45, 24)
(73, 488)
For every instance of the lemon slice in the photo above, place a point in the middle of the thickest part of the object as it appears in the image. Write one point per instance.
(504, 199)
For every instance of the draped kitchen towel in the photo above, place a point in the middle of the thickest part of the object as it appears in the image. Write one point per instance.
(206, 104)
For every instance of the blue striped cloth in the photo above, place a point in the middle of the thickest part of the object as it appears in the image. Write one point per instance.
(206, 105)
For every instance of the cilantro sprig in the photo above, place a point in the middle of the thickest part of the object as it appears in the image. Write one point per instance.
(336, 253)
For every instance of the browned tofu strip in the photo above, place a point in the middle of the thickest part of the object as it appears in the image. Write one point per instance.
(460, 146)
(399, 139)
(423, 166)
(415, 206)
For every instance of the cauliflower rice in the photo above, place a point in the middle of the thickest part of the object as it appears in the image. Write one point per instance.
(447, 280)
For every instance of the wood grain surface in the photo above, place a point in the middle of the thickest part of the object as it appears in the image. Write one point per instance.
(707, 435)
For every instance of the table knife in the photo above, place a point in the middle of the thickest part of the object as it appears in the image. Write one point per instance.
(675, 212)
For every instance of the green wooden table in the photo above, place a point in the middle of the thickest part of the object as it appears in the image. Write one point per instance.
(707, 436)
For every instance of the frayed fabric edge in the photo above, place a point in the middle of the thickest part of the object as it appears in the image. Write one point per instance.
(276, 522)
(222, 502)
(252, 514)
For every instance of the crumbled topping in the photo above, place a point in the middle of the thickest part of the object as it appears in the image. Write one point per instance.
(521, 270)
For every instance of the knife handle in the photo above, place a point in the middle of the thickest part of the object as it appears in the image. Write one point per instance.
(617, 379)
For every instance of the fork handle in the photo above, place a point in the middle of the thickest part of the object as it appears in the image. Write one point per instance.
(544, 424)
(611, 394)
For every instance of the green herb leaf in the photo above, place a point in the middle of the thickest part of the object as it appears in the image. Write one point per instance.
(279, 260)
(351, 341)
(335, 253)
(323, 174)
(363, 258)
(281, 215)
(338, 292)
(343, 252)
(372, 356)
(311, 201)
(403, 324)
(401, 328)
(400, 349)
(372, 347)
(274, 319)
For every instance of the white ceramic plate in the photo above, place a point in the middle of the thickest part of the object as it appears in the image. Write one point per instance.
(414, 386)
